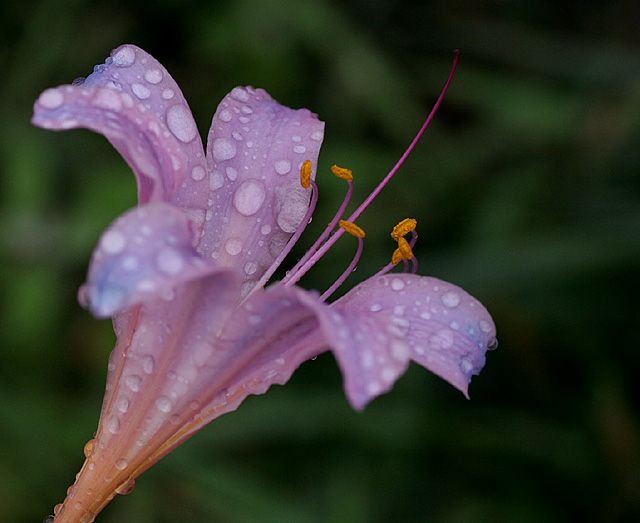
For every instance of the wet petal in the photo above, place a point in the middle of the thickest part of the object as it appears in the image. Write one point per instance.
(447, 329)
(132, 100)
(145, 253)
(371, 351)
(254, 199)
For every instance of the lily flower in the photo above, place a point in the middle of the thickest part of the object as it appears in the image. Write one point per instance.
(183, 274)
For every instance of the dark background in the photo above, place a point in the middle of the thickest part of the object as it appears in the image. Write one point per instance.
(527, 194)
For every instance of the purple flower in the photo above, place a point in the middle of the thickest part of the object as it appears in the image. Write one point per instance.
(183, 274)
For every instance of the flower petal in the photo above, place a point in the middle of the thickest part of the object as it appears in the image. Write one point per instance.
(253, 194)
(132, 100)
(447, 329)
(144, 253)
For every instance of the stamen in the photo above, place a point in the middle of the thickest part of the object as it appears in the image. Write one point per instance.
(354, 230)
(297, 271)
(403, 252)
(348, 270)
(404, 227)
(341, 172)
(305, 174)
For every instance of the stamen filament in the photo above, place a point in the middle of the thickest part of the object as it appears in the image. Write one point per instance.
(346, 272)
(325, 234)
(292, 241)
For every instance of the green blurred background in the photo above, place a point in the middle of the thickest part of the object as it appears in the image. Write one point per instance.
(527, 194)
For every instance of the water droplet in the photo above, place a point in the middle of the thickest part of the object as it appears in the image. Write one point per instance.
(88, 448)
(375, 307)
(216, 181)
(299, 149)
(141, 91)
(265, 229)
(451, 299)
(169, 261)
(282, 166)
(164, 404)
(122, 404)
(51, 99)
(295, 138)
(124, 57)
(240, 94)
(223, 149)
(249, 197)
(250, 267)
(466, 365)
(232, 174)
(147, 364)
(397, 284)
(153, 76)
(485, 326)
(126, 487)
(167, 94)
(233, 245)
(443, 339)
(493, 344)
(181, 124)
(113, 242)
(121, 464)
(225, 115)
(113, 425)
(134, 382)
(198, 172)
(317, 136)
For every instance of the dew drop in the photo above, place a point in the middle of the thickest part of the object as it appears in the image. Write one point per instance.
(121, 464)
(141, 91)
(232, 174)
(181, 124)
(164, 404)
(122, 404)
(282, 166)
(265, 229)
(167, 94)
(375, 307)
(485, 326)
(250, 267)
(113, 425)
(88, 448)
(197, 173)
(147, 364)
(133, 382)
(124, 57)
(51, 99)
(87, 517)
(249, 197)
(169, 261)
(113, 242)
(317, 136)
(233, 245)
(240, 94)
(466, 365)
(299, 149)
(223, 149)
(216, 181)
(451, 299)
(493, 344)
(126, 487)
(153, 76)
(225, 115)
(397, 284)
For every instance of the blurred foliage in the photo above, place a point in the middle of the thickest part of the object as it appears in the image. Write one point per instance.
(527, 194)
